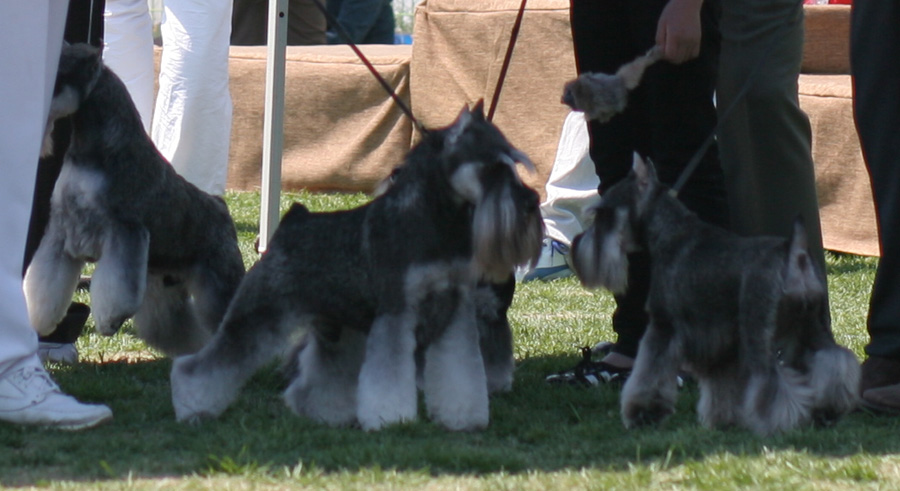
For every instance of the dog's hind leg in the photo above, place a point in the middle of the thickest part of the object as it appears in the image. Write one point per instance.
(455, 383)
(776, 400)
(387, 380)
(649, 393)
(166, 318)
(721, 396)
(182, 312)
(50, 282)
(212, 285)
(119, 281)
(328, 372)
(253, 331)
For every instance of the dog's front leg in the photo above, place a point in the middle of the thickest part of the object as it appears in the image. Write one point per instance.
(50, 281)
(649, 394)
(492, 304)
(455, 382)
(387, 379)
(118, 282)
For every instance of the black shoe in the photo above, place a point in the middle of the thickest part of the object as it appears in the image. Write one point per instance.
(590, 373)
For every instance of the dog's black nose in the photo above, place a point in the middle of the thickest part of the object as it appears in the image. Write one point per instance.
(568, 99)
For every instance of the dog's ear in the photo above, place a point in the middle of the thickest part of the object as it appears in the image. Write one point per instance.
(80, 66)
(478, 110)
(455, 131)
(645, 181)
(644, 172)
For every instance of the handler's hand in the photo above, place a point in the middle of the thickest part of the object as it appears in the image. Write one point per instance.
(678, 31)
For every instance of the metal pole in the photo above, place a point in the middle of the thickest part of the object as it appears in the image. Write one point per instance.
(273, 126)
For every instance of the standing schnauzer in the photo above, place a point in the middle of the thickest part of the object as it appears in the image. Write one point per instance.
(166, 252)
(748, 317)
(422, 271)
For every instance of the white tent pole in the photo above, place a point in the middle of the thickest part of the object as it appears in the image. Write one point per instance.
(273, 126)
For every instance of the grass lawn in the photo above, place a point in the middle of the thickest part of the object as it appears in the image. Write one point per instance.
(540, 436)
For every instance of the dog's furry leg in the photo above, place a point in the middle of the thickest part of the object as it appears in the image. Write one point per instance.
(166, 320)
(455, 384)
(649, 393)
(834, 377)
(119, 281)
(777, 400)
(721, 397)
(50, 281)
(326, 383)
(493, 301)
(387, 379)
(833, 371)
(212, 285)
(254, 330)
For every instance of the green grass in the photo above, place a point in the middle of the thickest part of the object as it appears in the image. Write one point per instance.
(540, 436)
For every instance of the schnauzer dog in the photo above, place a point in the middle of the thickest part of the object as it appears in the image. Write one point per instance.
(423, 271)
(166, 253)
(748, 317)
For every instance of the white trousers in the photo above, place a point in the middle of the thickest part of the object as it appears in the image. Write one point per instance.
(572, 186)
(191, 121)
(32, 31)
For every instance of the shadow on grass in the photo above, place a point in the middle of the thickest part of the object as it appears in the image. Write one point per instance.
(535, 427)
(841, 263)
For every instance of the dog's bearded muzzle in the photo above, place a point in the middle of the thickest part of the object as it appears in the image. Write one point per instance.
(507, 230)
(600, 254)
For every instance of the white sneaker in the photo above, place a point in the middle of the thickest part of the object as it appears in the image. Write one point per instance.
(29, 396)
(552, 264)
(58, 352)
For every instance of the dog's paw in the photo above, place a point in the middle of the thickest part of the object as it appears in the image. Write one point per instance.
(372, 419)
(110, 326)
(330, 405)
(459, 422)
(199, 394)
(635, 416)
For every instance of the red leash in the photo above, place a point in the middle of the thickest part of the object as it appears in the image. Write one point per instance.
(514, 35)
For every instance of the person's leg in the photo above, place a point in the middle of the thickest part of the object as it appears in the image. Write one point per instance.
(358, 18)
(249, 23)
(128, 51)
(571, 190)
(572, 185)
(84, 24)
(875, 44)
(604, 40)
(667, 118)
(192, 119)
(27, 394)
(680, 115)
(382, 31)
(20, 141)
(249, 19)
(765, 143)
(306, 24)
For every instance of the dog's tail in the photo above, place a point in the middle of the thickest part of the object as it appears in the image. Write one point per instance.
(802, 278)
